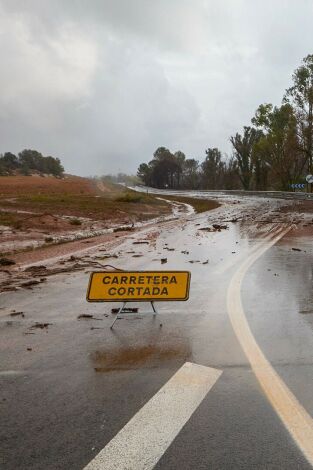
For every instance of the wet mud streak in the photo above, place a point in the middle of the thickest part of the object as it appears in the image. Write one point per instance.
(128, 358)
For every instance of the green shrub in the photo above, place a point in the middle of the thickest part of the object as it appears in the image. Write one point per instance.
(75, 222)
(129, 197)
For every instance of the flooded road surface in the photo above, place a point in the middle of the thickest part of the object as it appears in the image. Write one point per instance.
(69, 385)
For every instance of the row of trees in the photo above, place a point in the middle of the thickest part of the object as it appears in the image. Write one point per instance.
(271, 153)
(29, 161)
(174, 171)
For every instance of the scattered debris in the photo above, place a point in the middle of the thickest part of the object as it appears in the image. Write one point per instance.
(206, 262)
(296, 249)
(15, 314)
(30, 283)
(40, 325)
(125, 310)
(163, 260)
(34, 269)
(123, 229)
(6, 262)
(185, 252)
(137, 256)
(219, 227)
(141, 242)
(87, 316)
(29, 349)
(194, 261)
(108, 256)
(169, 249)
(214, 228)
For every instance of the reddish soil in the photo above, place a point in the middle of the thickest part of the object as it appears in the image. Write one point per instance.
(36, 210)
(51, 251)
(46, 222)
(19, 185)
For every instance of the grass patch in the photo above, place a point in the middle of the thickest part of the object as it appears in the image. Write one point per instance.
(199, 205)
(97, 207)
(10, 219)
(129, 197)
(75, 222)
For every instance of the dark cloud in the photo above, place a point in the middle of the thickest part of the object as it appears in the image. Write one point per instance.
(101, 84)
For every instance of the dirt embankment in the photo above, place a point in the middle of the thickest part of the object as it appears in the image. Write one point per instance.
(37, 211)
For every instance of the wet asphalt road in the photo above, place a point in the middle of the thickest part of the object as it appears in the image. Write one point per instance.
(67, 390)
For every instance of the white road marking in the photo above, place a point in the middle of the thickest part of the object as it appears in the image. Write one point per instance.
(145, 438)
(242, 255)
(296, 419)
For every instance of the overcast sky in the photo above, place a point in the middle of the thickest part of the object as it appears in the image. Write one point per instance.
(102, 83)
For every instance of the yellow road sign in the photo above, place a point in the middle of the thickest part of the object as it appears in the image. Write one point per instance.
(147, 286)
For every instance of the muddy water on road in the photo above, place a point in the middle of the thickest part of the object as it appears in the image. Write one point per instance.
(278, 300)
(88, 378)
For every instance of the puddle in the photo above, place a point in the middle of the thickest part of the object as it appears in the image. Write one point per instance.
(138, 357)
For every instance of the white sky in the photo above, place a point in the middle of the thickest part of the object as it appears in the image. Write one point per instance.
(102, 83)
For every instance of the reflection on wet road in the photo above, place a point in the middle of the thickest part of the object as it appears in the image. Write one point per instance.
(75, 384)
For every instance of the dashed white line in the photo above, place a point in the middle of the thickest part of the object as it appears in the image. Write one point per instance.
(145, 438)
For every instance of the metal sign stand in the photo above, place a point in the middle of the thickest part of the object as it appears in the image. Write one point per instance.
(124, 312)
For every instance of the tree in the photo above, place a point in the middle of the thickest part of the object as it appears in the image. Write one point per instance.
(191, 177)
(30, 159)
(180, 158)
(144, 173)
(244, 153)
(33, 160)
(230, 177)
(8, 163)
(212, 169)
(164, 167)
(278, 147)
(52, 166)
(301, 95)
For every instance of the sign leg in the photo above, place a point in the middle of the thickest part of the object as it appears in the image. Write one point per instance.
(116, 318)
(153, 308)
(155, 313)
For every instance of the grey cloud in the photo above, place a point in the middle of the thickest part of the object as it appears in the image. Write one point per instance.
(101, 84)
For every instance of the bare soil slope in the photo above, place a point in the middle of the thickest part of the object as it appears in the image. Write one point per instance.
(38, 210)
